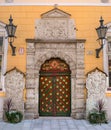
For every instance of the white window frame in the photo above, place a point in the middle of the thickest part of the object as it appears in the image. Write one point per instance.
(106, 53)
(3, 34)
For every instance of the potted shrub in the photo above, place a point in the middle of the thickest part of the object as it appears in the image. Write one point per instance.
(12, 116)
(98, 114)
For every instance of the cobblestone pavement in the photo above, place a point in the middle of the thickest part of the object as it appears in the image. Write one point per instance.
(54, 124)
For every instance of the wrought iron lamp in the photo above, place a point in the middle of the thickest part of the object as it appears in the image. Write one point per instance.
(11, 29)
(101, 32)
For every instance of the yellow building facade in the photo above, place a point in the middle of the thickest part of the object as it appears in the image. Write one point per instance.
(86, 18)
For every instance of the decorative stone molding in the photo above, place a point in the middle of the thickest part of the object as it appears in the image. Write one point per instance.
(14, 85)
(96, 84)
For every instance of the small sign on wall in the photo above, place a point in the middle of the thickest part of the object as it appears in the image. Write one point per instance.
(21, 50)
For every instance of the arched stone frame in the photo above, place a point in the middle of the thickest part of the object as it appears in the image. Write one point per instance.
(72, 52)
(3, 34)
(71, 64)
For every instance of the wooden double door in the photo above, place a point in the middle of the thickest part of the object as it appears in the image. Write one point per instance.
(54, 89)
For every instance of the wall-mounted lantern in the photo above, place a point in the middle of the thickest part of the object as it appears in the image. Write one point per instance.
(101, 32)
(11, 29)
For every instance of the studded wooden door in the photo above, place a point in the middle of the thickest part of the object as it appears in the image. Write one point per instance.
(54, 89)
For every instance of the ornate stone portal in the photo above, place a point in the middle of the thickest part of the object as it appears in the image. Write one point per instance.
(55, 38)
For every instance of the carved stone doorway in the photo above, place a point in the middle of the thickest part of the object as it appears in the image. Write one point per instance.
(55, 37)
(54, 88)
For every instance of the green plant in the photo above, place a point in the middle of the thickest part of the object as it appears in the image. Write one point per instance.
(14, 116)
(97, 118)
(98, 114)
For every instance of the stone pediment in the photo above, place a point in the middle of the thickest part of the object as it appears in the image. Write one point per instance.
(14, 69)
(55, 25)
(55, 13)
(96, 70)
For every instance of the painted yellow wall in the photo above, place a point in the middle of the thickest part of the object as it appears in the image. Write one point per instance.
(2, 94)
(86, 19)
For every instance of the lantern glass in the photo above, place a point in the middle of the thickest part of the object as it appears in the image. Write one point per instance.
(101, 32)
(11, 29)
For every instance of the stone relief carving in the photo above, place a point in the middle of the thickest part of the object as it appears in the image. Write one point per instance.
(58, 26)
(14, 86)
(53, 29)
(96, 84)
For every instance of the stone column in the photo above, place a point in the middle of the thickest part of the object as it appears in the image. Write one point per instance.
(31, 110)
(80, 78)
(73, 96)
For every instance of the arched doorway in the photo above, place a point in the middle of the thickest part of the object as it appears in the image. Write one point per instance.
(55, 88)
